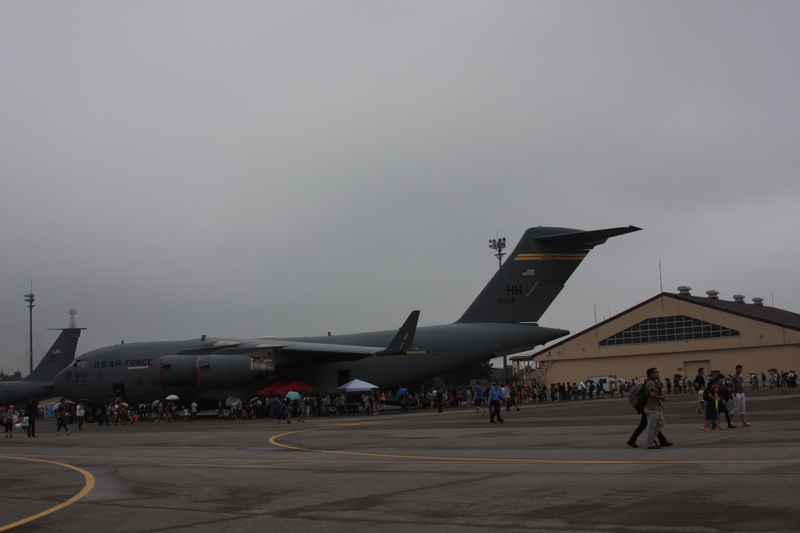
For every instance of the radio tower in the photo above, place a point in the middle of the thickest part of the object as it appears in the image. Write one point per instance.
(72, 322)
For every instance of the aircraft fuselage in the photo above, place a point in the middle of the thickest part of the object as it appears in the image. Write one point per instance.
(134, 368)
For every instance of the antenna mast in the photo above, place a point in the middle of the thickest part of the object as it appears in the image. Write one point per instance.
(30, 299)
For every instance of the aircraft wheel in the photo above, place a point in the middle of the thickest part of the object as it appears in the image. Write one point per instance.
(89, 418)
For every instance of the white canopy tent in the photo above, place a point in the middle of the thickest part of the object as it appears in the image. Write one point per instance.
(357, 386)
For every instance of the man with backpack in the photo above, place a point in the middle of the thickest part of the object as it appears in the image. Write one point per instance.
(637, 396)
(652, 408)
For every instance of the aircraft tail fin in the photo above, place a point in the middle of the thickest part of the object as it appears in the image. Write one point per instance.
(60, 354)
(404, 338)
(534, 273)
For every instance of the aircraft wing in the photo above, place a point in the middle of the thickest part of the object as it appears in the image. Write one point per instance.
(310, 352)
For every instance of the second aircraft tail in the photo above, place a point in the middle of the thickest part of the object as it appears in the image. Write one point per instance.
(60, 354)
(534, 273)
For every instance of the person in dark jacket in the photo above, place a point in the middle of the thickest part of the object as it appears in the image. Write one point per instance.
(32, 412)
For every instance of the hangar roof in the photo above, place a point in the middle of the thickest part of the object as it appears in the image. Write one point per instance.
(762, 313)
(771, 315)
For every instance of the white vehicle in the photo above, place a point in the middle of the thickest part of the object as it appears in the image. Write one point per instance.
(603, 383)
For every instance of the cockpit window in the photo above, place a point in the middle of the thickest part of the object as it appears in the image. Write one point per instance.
(81, 363)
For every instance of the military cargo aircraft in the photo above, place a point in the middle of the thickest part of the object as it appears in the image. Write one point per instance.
(500, 321)
(39, 384)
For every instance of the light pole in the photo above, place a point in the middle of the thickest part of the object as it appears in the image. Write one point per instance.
(498, 244)
(29, 299)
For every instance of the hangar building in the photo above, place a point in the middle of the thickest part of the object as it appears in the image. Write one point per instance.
(678, 333)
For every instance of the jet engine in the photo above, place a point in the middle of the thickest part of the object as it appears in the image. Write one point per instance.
(219, 371)
(177, 371)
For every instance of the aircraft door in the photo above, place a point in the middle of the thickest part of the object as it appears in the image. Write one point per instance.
(118, 392)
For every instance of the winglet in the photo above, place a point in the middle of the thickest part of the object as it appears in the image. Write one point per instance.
(404, 337)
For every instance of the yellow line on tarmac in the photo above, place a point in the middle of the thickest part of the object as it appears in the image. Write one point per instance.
(87, 488)
(273, 441)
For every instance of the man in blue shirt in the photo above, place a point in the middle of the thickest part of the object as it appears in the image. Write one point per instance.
(495, 397)
(478, 399)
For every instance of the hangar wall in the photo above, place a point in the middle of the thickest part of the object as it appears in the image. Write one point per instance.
(734, 333)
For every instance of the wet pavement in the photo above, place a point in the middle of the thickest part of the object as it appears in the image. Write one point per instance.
(549, 467)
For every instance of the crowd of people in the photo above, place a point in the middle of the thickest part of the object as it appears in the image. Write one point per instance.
(21, 417)
(714, 394)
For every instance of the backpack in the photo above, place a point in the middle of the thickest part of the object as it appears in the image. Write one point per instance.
(637, 396)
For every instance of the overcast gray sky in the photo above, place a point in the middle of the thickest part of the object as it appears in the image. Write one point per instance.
(239, 169)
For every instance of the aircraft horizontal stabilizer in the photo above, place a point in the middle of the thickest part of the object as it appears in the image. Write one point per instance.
(589, 238)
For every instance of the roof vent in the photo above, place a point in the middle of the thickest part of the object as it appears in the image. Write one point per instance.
(738, 298)
(683, 290)
(758, 301)
(713, 295)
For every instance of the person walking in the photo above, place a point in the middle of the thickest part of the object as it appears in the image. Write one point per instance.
(80, 411)
(478, 399)
(32, 412)
(711, 398)
(438, 399)
(510, 392)
(8, 421)
(724, 394)
(700, 388)
(662, 440)
(737, 391)
(62, 416)
(653, 407)
(495, 397)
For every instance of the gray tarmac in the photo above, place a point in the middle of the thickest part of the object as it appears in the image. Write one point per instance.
(549, 467)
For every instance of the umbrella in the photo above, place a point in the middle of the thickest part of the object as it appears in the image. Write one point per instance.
(753, 372)
(155, 404)
(231, 400)
(172, 397)
(589, 381)
(292, 395)
(400, 392)
(772, 370)
(512, 379)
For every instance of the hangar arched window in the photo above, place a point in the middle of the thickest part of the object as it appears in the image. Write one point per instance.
(668, 329)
